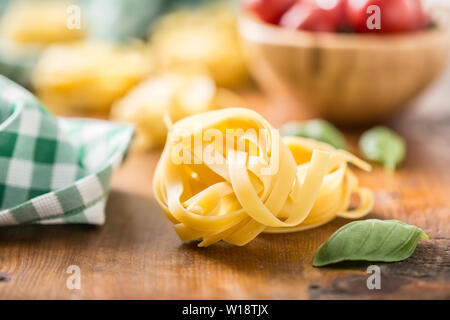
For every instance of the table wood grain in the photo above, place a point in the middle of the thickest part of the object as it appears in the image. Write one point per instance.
(137, 255)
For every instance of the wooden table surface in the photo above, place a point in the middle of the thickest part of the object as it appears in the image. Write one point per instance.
(137, 255)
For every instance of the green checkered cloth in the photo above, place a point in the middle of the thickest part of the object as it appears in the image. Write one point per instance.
(54, 170)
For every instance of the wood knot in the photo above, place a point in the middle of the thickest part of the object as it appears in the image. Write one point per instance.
(4, 277)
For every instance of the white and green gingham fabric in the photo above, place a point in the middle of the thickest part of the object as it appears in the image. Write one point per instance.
(54, 170)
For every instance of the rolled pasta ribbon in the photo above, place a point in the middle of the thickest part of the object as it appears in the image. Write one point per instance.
(228, 175)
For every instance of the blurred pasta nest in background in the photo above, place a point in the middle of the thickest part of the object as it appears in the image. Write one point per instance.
(88, 76)
(38, 22)
(177, 93)
(207, 36)
(26, 29)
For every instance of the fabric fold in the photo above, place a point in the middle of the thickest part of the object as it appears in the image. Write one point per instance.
(54, 170)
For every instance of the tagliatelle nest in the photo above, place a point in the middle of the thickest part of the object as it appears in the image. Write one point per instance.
(228, 175)
(38, 22)
(88, 77)
(179, 93)
(205, 36)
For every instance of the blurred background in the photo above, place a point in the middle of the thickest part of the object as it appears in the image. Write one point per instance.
(131, 60)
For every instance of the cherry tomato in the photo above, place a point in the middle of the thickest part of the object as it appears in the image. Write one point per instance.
(315, 15)
(269, 10)
(395, 15)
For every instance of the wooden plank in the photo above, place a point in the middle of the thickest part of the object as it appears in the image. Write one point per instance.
(138, 255)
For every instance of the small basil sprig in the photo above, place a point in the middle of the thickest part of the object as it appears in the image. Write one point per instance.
(317, 129)
(370, 240)
(384, 146)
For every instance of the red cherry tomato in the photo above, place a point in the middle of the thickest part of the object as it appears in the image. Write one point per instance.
(269, 10)
(315, 15)
(395, 15)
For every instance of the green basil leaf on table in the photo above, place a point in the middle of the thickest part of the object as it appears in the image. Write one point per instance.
(370, 240)
(383, 146)
(316, 129)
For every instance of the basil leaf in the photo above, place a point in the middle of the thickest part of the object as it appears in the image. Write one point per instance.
(370, 240)
(384, 146)
(317, 129)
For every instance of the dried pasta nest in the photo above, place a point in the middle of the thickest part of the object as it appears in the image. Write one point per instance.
(87, 77)
(233, 189)
(38, 22)
(179, 93)
(206, 36)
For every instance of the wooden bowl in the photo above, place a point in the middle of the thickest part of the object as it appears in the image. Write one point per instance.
(350, 79)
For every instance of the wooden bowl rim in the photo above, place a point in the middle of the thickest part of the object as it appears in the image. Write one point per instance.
(254, 30)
